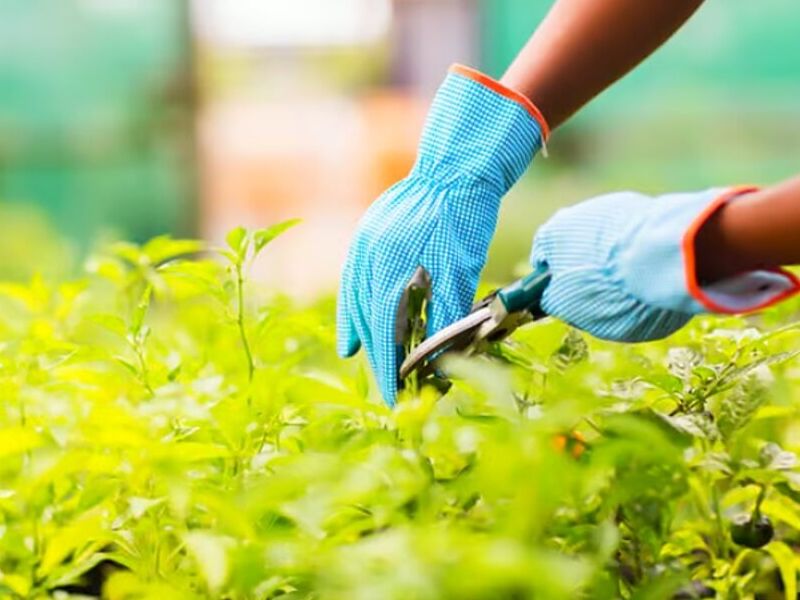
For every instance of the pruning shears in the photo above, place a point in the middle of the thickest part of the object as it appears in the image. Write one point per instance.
(491, 320)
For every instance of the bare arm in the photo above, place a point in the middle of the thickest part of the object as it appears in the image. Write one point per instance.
(759, 230)
(583, 46)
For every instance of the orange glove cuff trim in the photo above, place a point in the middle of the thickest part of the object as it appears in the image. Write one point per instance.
(506, 92)
(690, 260)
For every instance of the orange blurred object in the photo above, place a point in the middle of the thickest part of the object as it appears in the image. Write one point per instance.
(323, 160)
(574, 443)
(394, 124)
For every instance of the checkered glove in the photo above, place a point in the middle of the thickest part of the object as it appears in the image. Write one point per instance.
(478, 140)
(623, 266)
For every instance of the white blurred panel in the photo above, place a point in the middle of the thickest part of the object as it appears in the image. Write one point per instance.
(427, 37)
(288, 23)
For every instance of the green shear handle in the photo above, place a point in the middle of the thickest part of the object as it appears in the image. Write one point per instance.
(526, 294)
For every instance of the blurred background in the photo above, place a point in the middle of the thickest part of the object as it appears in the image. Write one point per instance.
(134, 118)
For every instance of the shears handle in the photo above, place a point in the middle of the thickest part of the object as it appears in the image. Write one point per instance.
(526, 294)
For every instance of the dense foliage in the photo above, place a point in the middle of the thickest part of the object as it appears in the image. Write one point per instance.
(168, 430)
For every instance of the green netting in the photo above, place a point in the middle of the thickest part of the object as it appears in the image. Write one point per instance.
(750, 47)
(94, 122)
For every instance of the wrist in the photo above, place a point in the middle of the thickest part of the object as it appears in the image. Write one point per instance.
(478, 130)
(757, 230)
(726, 269)
(717, 253)
(658, 257)
(505, 90)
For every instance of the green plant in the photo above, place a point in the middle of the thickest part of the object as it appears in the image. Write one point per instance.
(171, 430)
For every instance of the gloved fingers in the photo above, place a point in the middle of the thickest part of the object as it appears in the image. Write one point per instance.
(585, 299)
(385, 353)
(347, 339)
(542, 245)
(539, 259)
(452, 300)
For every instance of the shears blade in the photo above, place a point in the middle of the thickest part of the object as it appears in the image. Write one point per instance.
(492, 320)
(457, 336)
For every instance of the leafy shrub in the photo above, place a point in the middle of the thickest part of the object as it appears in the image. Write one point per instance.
(169, 430)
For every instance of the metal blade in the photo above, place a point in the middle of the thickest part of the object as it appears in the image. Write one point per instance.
(415, 296)
(456, 336)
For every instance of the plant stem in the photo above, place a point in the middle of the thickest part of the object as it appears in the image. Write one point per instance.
(718, 522)
(761, 495)
(145, 375)
(240, 323)
(722, 547)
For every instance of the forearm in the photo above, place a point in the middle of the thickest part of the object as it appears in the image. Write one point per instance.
(759, 230)
(583, 46)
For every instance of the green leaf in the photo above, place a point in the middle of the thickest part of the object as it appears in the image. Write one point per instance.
(16, 440)
(20, 293)
(231, 256)
(140, 311)
(130, 253)
(19, 584)
(698, 425)
(237, 241)
(787, 565)
(362, 382)
(765, 361)
(489, 385)
(573, 350)
(106, 267)
(133, 369)
(164, 248)
(775, 458)
(662, 586)
(139, 506)
(681, 362)
(649, 430)
(70, 573)
(191, 451)
(740, 406)
(704, 373)
(84, 530)
(666, 382)
(210, 551)
(781, 508)
(787, 490)
(112, 323)
(262, 237)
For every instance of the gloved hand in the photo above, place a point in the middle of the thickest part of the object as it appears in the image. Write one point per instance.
(623, 266)
(478, 140)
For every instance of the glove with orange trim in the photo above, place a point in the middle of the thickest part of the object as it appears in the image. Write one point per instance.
(623, 266)
(478, 140)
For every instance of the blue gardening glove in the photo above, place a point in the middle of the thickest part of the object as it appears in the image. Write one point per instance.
(479, 138)
(623, 266)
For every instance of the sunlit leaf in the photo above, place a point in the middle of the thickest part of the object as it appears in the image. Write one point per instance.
(211, 553)
(298, 482)
(164, 248)
(140, 311)
(86, 529)
(16, 440)
(237, 241)
(786, 559)
(262, 237)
